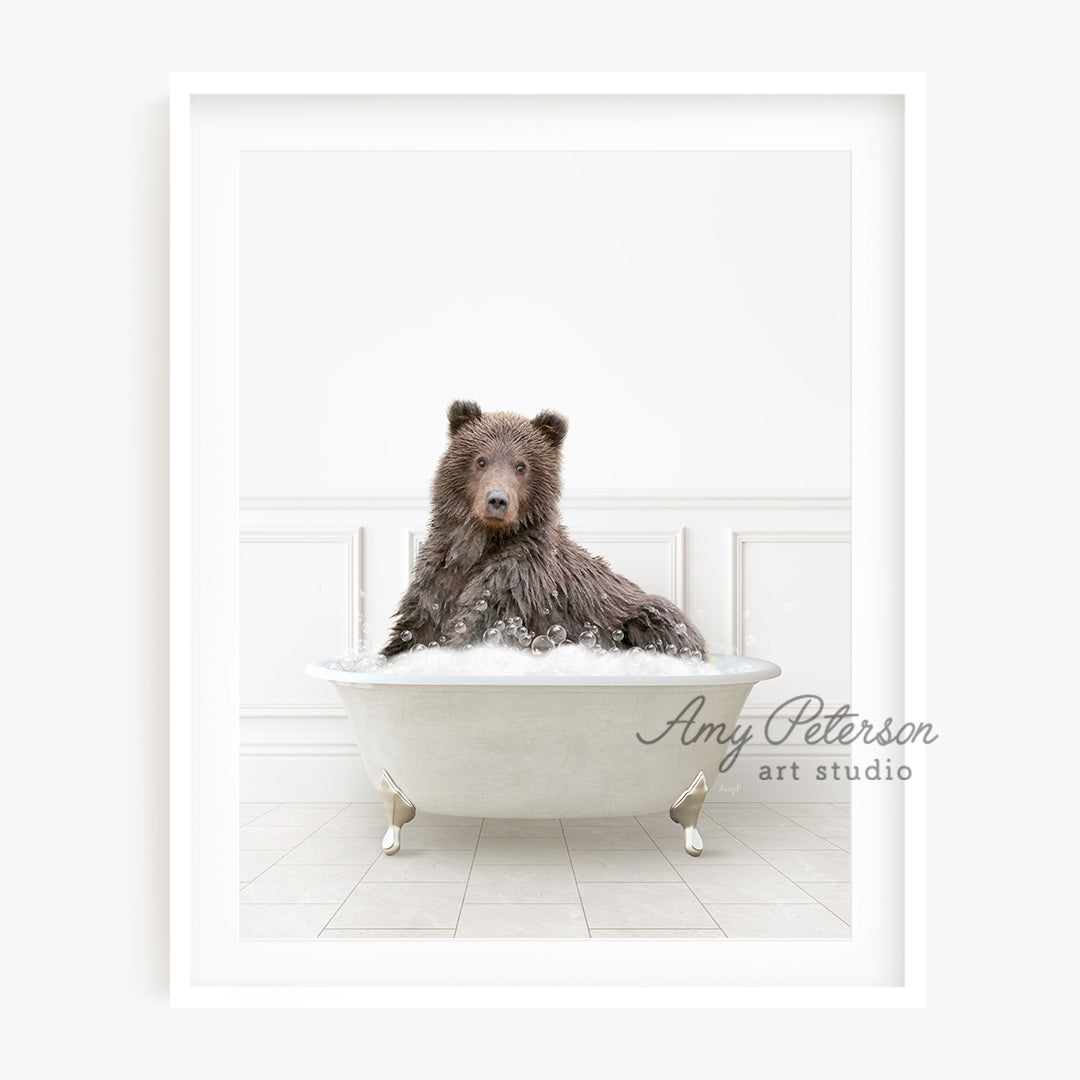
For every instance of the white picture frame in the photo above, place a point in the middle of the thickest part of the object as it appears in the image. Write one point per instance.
(883, 963)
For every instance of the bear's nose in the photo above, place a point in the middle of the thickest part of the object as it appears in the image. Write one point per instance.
(497, 502)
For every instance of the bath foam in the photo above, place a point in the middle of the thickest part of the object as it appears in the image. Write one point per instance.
(574, 660)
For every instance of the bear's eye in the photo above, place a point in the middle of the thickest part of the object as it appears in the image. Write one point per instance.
(480, 463)
(521, 468)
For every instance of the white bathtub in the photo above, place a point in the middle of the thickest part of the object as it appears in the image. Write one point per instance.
(553, 746)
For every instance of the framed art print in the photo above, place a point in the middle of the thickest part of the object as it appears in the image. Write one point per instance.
(658, 340)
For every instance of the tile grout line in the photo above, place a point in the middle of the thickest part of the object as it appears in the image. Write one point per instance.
(334, 913)
(654, 846)
(797, 884)
(378, 855)
(283, 855)
(273, 807)
(290, 851)
(847, 922)
(573, 874)
(813, 899)
(671, 862)
(468, 877)
(553, 903)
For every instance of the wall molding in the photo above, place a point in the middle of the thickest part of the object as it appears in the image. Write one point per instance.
(760, 713)
(413, 539)
(299, 749)
(397, 498)
(740, 539)
(301, 711)
(352, 540)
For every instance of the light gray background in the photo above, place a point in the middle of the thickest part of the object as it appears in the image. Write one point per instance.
(85, 416)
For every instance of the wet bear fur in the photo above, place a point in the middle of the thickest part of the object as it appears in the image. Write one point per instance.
(495, 539)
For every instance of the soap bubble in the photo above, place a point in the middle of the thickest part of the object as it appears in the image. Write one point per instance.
(500, 626)
(650, 648)
(487, 593)
(680, 628)
(588, 639)
(542, 659)
(435, 606)
(547, 611)
(671, 650)
(481, 605)
(418, 648)
(616, 635)
(406, 635)
(603, 596)
(684, 653)
(460, 628)
(467, 647)
(442, 639)
(493, 636)
(557, 634)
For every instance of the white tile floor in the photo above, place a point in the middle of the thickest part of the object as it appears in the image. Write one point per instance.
(778, 870)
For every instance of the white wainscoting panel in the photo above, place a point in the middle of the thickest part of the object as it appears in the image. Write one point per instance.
(308, 584)
(792, 605)
(300, 598)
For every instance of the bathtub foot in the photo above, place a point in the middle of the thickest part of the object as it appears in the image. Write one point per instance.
(684, 811)
(399, 811)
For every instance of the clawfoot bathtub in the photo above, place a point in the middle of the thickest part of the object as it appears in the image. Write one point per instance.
(552, 746)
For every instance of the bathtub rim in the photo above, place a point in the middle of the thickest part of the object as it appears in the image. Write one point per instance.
(762, 670)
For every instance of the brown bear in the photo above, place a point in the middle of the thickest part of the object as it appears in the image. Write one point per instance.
(497, 559)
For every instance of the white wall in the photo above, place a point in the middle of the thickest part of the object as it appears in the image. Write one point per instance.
(687, 310)
(686, 304)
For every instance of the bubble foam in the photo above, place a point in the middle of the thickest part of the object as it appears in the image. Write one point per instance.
(575, 660)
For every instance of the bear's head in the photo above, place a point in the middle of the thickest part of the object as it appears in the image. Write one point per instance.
(501, 471)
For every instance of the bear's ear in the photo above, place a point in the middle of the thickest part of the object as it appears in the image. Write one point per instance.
(461, 413)
(552, 426)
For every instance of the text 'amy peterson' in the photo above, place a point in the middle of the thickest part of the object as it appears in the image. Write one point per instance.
(808, 723)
